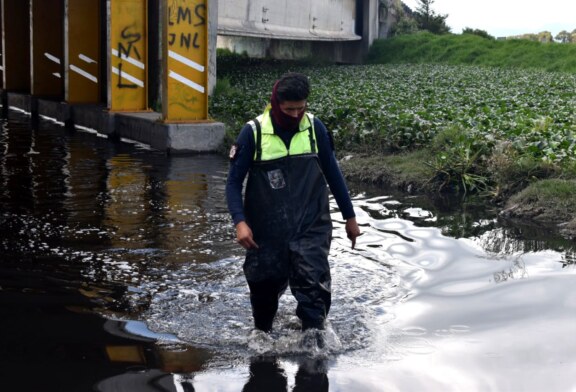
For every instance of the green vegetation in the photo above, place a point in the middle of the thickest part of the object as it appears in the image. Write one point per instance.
(404, 170)
(545, 200)
(473, 49)
(445, 127)
(478, 32)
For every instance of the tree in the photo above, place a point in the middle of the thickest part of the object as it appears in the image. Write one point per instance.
(545, 37)
(405, 22)
(395, 19)
(563, 37)
(429, 20)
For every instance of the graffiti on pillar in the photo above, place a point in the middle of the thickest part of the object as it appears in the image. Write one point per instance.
(127, 48)
(129, 38)
(187, 56)
(195, 18)
(128, 60)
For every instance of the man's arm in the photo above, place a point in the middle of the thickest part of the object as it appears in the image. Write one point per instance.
(241, 155)
(336, 180)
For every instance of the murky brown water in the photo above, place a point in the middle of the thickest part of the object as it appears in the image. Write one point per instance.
(118, 272)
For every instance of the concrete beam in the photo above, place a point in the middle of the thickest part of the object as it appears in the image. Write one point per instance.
(171, 137)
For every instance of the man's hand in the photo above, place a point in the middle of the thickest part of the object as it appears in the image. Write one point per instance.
(352, 231)
(244, 236)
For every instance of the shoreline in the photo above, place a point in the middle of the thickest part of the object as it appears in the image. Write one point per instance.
(521, 206)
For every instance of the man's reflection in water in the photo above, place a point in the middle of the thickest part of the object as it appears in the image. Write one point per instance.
(266, 374)
(312, 376)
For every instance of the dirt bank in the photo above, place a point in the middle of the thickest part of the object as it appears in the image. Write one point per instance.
(550, 202)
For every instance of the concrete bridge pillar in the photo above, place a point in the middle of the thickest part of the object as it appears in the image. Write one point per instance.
(92, 63)
(47, 62)
(82, 37)
(185, 55)
(128, 55)
(16, 45)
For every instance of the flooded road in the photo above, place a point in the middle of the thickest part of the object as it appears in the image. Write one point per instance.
(119, 272)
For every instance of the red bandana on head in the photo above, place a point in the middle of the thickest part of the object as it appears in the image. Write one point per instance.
(281, 119)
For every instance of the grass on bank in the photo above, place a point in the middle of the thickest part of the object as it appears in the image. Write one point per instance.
(491, 130)
(427, 48)
(549, 200)
(403, 170)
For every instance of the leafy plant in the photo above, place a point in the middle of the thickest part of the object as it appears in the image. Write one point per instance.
(458, 156)
(461, 112)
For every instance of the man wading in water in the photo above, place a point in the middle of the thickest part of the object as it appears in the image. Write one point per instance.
(284, 221)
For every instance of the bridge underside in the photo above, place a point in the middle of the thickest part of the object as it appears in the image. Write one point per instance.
(315, 20)
(335, 30)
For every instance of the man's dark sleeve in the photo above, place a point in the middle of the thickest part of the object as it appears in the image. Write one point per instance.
(241, 156)
(332, 171)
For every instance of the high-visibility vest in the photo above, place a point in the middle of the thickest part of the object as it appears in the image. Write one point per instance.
(270, 146)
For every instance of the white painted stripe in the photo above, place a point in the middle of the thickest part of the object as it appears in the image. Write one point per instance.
(1, 68)
(83, 73)
(86, 59)
(186, 61)
(57, 75)
(52, 58)
(129, 77)
(132, 61)
(187, 82)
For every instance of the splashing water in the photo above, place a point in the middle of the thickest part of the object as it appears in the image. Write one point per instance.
(467, 301)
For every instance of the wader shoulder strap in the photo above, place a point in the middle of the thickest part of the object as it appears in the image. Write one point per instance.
(258, 139)
(311, 135)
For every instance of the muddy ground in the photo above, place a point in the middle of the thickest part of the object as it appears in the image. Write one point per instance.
(518, 206)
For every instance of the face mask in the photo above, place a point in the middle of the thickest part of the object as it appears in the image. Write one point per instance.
(281, 119)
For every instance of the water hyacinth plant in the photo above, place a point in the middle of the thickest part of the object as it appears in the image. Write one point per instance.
(386, 109)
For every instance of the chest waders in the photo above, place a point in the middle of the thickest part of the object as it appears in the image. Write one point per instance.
(286, 206)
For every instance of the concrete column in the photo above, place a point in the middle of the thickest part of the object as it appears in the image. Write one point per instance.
(128, 55)
(185, 54)
(16, 45)
(83, 48)
(47, 20)
(1, 48)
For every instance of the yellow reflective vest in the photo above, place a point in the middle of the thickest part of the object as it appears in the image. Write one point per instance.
(270, 146)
